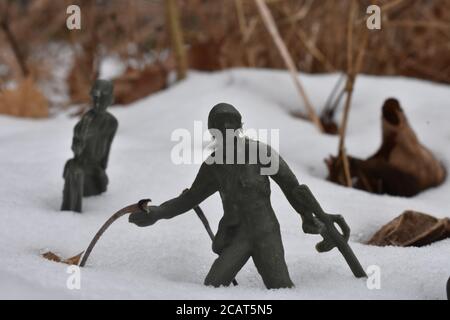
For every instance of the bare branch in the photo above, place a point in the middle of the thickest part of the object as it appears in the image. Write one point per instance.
(273, 30)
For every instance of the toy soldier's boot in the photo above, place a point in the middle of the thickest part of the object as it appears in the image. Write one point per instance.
(73, 187)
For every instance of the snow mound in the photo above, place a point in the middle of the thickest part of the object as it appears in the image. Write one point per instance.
(170, 259)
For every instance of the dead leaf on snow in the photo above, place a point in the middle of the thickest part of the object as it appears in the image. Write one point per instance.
(75, 260)
(412, 228)
(402, 166)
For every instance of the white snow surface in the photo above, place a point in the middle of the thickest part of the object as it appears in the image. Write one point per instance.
(170, 259)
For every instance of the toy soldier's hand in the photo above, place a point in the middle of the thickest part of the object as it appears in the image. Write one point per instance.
(145, 216)
(312, 225)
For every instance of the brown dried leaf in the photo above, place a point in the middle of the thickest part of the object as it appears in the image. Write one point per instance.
(51, 256)
(75, 260)
(402, 165)
(412, 228)
(24, 101)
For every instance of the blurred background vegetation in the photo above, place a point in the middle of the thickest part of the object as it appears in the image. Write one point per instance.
(44, 66)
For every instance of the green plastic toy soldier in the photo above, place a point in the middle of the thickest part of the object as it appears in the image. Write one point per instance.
(249, 227)
(85, 174)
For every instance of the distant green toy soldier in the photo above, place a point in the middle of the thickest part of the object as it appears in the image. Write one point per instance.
(85, 174)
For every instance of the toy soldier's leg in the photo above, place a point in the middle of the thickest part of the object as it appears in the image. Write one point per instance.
(268, 255)
(228, 264)
(73, 187)
(95, 181)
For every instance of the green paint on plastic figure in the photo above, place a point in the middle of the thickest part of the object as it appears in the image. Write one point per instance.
(249, 227)
(85, 174)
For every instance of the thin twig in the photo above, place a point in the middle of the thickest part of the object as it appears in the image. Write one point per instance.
(390, 5)
(176, 34)
(314, 51)
(349, 89)
(331, 104)
(126, 210)
(273, 30)
(245, 29)
(351, 78)
(241, 17)
(418, 24)
(302, 13)
(310, 42)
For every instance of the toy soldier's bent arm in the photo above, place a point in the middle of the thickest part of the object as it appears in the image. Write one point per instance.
(315, 220)
(112, 133)
(80, 134)
(290, 186)
(77, 140)
(203, 187)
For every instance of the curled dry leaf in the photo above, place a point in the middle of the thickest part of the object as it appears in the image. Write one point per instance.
(412, 228)
(51, 256)
(26, 100)
(75, 260)
(402, 166)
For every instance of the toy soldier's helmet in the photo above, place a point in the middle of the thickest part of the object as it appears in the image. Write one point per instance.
(224, 116)
(102, 94)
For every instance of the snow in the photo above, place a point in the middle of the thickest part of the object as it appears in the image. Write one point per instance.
(170, 259)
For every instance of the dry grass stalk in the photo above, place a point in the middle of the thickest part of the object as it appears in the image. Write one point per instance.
(314, 51)
(349, 89)
(352, 70)
(273, 30)
(351, 78)
(176, 35)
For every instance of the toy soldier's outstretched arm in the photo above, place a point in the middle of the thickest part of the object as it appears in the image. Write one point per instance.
(204, 186)
(289, 184)
(332, 237)
(315, 220)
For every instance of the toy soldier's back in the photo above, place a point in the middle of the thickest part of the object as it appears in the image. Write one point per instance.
(85, 174)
